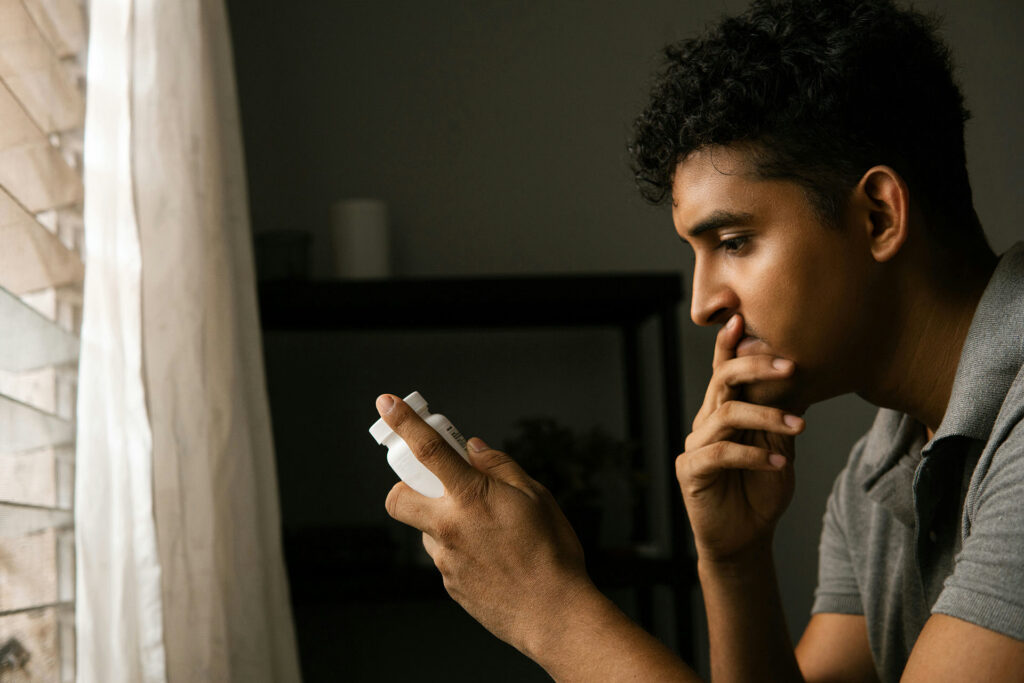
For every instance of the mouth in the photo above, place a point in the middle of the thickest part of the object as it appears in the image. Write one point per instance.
(750, 346)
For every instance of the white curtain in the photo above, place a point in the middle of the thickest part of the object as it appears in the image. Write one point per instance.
(180, 576)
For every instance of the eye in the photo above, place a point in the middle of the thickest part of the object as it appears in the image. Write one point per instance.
(733, 244)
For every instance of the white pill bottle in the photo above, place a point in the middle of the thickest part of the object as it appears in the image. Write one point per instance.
(400, 456)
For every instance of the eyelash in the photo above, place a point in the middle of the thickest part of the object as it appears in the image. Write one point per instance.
(737, 243)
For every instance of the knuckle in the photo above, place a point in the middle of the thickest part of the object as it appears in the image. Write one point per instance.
(498, 462)
(434, 550)
(690, 442)
(432, 450)
(718, 451)
(732, 370)
(682, 467)
(718, 369)
(694, 441)
(470, 494)
(447, 534)
(729, 411)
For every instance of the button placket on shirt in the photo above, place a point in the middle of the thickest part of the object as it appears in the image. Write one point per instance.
(935, 468)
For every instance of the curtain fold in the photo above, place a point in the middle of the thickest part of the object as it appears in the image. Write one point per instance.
(176, 485)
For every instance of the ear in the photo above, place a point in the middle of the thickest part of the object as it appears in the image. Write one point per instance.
(883, 201)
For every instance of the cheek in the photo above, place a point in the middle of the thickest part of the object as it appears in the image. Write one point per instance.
(776, 309)
(831, 301)
(803, 310)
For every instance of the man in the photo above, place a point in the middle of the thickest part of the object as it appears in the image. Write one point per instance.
(813, 153)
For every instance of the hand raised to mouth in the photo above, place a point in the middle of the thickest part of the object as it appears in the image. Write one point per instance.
(736, 474)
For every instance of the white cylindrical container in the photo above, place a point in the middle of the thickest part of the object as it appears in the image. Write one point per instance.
(361, 239)
(400, 456)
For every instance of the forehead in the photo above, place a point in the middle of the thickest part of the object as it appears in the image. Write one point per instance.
(711, 178)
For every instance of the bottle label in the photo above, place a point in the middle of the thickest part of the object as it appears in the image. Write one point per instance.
(455, 434)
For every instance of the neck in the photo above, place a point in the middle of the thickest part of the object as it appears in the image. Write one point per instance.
(924, 340)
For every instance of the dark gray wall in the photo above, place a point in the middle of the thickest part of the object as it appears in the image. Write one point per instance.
(496, 131)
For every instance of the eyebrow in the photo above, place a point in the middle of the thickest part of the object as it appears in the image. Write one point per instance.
(720, 219)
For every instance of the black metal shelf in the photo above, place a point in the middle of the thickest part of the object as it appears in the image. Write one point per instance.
(570, 300)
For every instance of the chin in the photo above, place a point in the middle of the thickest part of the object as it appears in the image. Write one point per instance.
(784, 395)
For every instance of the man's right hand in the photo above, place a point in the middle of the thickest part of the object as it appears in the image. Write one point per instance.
(736, 474)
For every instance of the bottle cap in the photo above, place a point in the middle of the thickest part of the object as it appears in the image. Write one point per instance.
(416, 402)
(380, 429)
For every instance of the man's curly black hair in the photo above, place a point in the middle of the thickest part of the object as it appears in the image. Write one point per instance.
(817, 91)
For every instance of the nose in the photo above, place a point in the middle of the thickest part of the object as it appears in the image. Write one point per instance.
(713, 301)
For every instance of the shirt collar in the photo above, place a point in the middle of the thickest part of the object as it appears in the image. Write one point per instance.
(892, 450)
(992, 355)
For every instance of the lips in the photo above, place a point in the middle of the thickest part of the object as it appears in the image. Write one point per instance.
(750, 346)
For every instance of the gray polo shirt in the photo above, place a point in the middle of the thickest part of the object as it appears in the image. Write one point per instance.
(916, 527)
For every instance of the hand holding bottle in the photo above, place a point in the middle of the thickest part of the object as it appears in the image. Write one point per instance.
(506, 552)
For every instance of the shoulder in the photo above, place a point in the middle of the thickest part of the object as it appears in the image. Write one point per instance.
(984, 588)
(1000, 467)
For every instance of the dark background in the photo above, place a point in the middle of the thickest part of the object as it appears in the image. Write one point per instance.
(496, 132)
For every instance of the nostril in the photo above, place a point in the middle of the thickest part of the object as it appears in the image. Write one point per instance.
(720, 317)
(723, 316)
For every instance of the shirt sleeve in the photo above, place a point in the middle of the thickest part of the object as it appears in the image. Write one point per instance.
(837, 590)
(987, 584)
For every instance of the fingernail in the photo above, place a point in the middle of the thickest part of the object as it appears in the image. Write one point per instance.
(733, 321)
(782, 364)
(384, 404)
(777, 461)
(477, 444)
(791, 421)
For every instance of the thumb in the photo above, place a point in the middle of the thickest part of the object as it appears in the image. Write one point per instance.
(494, 463)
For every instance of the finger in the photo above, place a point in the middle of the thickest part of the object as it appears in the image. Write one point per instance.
(709, 461)
(495, 463)
(750, 369)
(734, 373)
(408, 506)
(735, 416)
(725, 349)
(427, 445)
(728, 337)
(431, 546)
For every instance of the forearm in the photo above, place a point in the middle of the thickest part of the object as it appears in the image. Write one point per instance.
(594, 641)
(747, 630)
